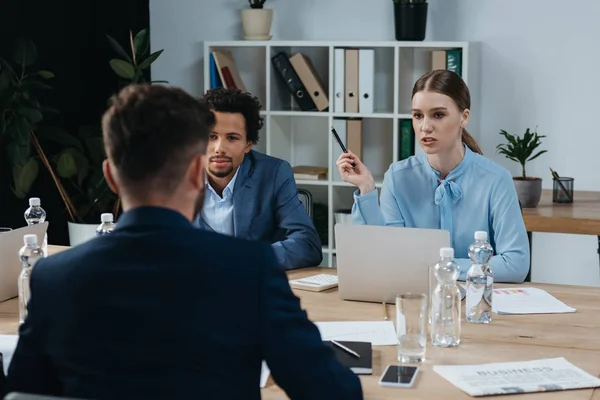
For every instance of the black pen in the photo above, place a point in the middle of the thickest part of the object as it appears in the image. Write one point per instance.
(337, 137)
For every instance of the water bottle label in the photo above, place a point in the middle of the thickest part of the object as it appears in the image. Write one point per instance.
(474, 296)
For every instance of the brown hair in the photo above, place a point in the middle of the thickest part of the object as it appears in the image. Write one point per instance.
(151, 133)
(450, 84)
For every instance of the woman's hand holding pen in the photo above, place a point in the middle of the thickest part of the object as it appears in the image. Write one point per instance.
(359, 175)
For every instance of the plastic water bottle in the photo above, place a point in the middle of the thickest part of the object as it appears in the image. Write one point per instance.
(29, 254)
(106, 226)
(480, 281)
(35, 214)
(445, 318)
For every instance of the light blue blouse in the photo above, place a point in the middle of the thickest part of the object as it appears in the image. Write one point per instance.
(478, 195)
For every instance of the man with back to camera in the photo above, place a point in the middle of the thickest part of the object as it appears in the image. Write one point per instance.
(159, 308)
(252, 195)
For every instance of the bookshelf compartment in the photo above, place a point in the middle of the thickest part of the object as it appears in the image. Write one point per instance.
(378, 146)
(320, 200)
(281, 98)
(302, 141)
(342, 201)
(414, 62)
(250, 63)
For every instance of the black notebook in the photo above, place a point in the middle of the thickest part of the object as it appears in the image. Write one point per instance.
(360, 366)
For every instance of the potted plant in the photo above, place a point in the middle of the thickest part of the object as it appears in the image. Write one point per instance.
(410, 19)
(256, 21)
(521, 150)
(79, 163)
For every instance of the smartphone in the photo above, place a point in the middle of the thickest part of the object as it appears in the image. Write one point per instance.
(399, 376)
(337, 137)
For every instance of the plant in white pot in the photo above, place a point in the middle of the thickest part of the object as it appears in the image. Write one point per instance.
(256, 21)
(521, 150)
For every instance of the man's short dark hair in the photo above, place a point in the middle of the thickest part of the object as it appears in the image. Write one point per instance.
(151, 134)
(235, 101)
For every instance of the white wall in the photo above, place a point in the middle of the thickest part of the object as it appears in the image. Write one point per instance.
(538, 62)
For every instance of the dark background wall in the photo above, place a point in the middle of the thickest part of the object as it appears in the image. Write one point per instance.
(71, 42)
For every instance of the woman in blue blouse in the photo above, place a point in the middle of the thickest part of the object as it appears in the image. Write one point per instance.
(451, 187)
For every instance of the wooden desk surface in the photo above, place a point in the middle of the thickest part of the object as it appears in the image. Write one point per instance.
(508, 338)
(580, 217)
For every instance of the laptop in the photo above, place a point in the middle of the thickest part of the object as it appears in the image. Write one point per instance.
(376, 263)
(10, 265)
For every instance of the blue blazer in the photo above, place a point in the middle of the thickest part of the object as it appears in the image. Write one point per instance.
(266, 207)
(162, 310)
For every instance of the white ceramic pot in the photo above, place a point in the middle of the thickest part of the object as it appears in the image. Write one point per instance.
(80, 233)
(256, 23)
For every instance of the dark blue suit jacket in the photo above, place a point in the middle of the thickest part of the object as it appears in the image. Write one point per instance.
(266, 207)
(161, 309)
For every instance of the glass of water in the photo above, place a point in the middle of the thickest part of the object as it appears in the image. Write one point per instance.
(411, 326)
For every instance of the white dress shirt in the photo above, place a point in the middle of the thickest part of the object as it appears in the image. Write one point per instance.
(217, 211)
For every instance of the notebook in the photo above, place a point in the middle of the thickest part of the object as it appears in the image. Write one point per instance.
(315, 283)
(360, 366)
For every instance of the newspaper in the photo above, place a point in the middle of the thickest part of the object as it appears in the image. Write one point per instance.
(517, 377)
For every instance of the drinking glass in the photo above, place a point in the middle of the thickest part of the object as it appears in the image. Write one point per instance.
(411, 326)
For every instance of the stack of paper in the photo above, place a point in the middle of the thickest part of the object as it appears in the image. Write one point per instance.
(527, 300)
(378, 333)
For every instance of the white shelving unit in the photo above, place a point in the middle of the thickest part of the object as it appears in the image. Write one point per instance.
(304, 138)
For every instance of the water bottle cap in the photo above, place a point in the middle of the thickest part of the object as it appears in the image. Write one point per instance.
(34, 201)
(447, 252)
(106, 217)
(481, 235)
(30, 239)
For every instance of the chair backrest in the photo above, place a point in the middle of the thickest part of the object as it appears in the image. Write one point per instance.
(306, 198)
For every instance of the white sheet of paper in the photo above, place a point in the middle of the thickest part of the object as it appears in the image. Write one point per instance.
(8, 344)
(379, 333)
(264, 374)
(527, 300)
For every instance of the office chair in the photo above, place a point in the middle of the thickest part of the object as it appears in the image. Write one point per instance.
(306, 198)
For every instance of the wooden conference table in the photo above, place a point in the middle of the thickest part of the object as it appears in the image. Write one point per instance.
(508, 338)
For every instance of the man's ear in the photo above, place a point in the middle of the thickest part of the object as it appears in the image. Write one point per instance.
(248, 146)
(107, 171)
(197, 171)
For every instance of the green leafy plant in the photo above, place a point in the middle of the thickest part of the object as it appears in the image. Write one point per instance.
(256, 3)
(131, 67)
(521, 149)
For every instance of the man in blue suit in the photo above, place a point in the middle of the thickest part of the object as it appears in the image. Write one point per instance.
(251, 195)
(160, 309)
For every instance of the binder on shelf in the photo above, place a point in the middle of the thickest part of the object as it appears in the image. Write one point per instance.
(366, 76)
(339, 67)
(294, 84)
(354, 134)
(310, 79)
(227, 71)
(351, 81)
(215, 79)
(406, 142)
(447, 59)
